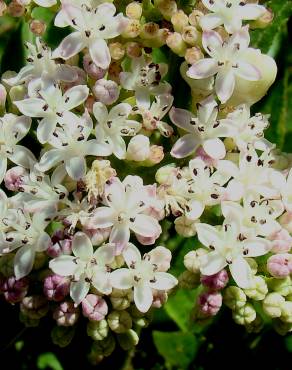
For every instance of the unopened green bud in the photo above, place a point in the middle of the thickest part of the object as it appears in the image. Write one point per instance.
(281, 327)
(164, 173)
(176, 43)
(97, 330)
(119, 321)
(121, 299)
(191, 260)
(244, 315)
(185, 227)
(35, 306)
(104, 347)
(234, 297)
(272, 305)
(255, 326)
(259, 289)
(132, 29)
(179, 20)
(62, 335)
(166, 7)
(134, 10)
(287, 312)
(128, 340)
(189, 280)
(28, 321)
(281, 286)
(149, 30)
(191, 35)
(139, 318)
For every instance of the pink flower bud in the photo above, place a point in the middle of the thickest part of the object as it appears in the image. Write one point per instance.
(217, 281)
(92, 69)
(159, 298)
(206, 158)
(80, 80)
(14, 290)
(66, 314)
(106, 91)
(34, 307)
(56, 287)
(280, 265)
(94, 307)
(14, 178)
(61, 244)
(281, 241)
(98, 236)
(210, 303)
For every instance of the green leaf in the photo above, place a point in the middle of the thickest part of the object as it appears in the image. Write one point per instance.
(48, 361)
(288, 343)
(269, 39)
(177, 348)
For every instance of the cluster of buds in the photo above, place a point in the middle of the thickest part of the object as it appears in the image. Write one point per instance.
(81, 219)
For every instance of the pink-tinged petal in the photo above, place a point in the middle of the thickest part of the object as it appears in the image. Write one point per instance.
(212, 43)
(256, 247)
(182, 118)
(240, 39)
(63, 265)
(247, 71)
(99, 53)
(75, 96)
(79, 290)
(143, 297)
(22, 156)
(70, 46)
(252, 11)
(214, 148)
(211, 263)
(164, 281)
(185, 146)
(49, 160)
(208, 235)
(66, 73)
(146, 226)
(82, 246)
(122, 279)
(224, 85)
(76, 167)
(23, 261)
(131, 254)
(196, 209)
(210, 21)
(103, 217)
(32, 107)
(241, 272)
(120, 236)
(203, 68)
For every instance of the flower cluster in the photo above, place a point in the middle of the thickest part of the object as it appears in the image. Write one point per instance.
(82, 210)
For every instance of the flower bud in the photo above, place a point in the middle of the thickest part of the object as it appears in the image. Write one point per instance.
(272, 305)
(281, 327)
(119, 321)
(97, 330)
(117, 50)
(104, 347)
(94, 307)
(132, 29)
(194, 17)
(161, 257)
(217, 281)
(165, 173)
(259, 289)
(149, 30)
(159, 298)
(156, 155)
(255, 326)
(280, 265)
(209, 303)
(244, 315)
(35, 307)
(234, 297)
(56, 287)
(191, 35)
(14, 290)
(27, 321)
(286, 315)
(138, 148)
(176, 43)
(192, 260)
(134, 10)
(106, 91)
(139, 318)
(62, 336)
(15, 9)
(37, 27)
(185, 227)
(166, 7)
(189, 280)
(92, 69)
(281, 240)
(193, 54)
(3, 8)
(281, 286)
(7, 265)
(133, 49)
(14, 178)
(66, 314)
(128, 340)
(121, 299)
(60, 246)
(179, 20)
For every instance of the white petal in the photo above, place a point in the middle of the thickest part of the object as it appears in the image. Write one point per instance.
(75, 96)
(32, 107)
(120, 236)
(146, 226)
(3, 168)
(82, 246)
(122, 279)
(101, 281)
(70, 46)
(182, 118)
(214, 148)
(43, 242)
(241, 272)
(185, 146)
(49, 160)
(96, 148)
(46, 128)
(119, 147)
(247, 71)
(103, 217)
(63, 265)
(208, 235)
(203, 68)
(79, 290)
(22, 156)
(256, 247)
(105, 254)
(212, 43)
(251, 11)
(196, 209)
(143, 297)
(164, 281)
(76, 167)
(21, 126)
(234, 190)
(210, 21)
(224, 85)
(23, 261)
(99, 53)
(211, 263)
(100, 112)
(45, 3)
(131, 254)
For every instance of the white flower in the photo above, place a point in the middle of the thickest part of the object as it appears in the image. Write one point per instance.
(42, 3)
(249, 130)
(227, 60)
(256, 215)
(228, 248)
(53, 107)
(143, 275)
(112, 126)
(41, 64)
(87, 267)
(3, 211)
(138, 148)
(231, 13)
(70, 145)
(13, 129)
(145, 80)
(205, 130)
(92, 27)
(284, 186)
(28, 234)
(125, 205)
